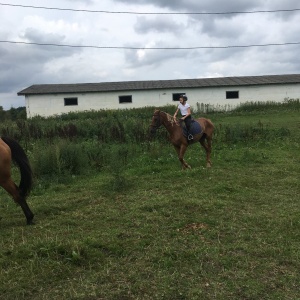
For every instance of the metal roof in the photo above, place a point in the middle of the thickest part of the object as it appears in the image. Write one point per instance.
(159, 84)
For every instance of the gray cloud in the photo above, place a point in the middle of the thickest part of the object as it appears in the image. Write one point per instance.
(158, 24)
(198, 6)
(82, 1)
(18, 64)
(153, 58)
(37, 36)
(26, 63)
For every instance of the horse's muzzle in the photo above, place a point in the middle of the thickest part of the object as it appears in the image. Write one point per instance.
(152, 130)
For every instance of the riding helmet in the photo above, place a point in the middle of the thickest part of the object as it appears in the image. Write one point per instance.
(184, 97)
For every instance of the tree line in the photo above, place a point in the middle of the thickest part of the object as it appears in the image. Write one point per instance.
(13, 114)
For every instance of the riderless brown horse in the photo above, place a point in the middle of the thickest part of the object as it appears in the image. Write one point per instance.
(177, 138)
(10, 150)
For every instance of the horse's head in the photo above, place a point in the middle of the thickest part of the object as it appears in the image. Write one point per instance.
(156, 121)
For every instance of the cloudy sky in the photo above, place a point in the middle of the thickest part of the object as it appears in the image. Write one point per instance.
(124, 40)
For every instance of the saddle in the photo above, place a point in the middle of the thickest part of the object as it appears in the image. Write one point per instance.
(195, 128)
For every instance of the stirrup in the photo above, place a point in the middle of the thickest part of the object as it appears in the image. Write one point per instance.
(190, 137)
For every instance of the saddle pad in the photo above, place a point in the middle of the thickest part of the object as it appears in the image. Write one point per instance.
(195, 129)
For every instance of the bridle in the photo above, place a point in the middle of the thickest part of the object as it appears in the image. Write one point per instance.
(157, 123)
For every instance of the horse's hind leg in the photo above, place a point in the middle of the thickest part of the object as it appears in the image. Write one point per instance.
(207, 147)
(13, 190)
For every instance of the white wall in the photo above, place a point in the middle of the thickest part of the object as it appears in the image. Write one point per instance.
(48, 105)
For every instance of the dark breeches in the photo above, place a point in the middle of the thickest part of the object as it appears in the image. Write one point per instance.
(188, 121)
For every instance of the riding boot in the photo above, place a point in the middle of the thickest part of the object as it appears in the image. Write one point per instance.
(188, 127)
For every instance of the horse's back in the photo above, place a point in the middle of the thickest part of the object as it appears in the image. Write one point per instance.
(4, 150)
(207, 125)
(5, 159)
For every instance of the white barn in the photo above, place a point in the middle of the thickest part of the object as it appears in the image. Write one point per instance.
(55, 99)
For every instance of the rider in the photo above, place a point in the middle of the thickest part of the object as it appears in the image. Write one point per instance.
(185, 110)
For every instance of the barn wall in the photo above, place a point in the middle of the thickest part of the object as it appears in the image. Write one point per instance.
(49, 105)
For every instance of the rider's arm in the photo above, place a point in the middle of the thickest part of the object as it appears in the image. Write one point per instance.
(175, 114)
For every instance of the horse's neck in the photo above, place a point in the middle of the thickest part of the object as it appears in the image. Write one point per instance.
(169, 122)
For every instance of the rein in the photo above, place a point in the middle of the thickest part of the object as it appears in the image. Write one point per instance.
(167, 120)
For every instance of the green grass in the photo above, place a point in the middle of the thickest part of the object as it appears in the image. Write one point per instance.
(147, 230)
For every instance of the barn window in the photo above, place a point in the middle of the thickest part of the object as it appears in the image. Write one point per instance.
(232, 94)
(71, 101)
(176, 96)
(125, 99)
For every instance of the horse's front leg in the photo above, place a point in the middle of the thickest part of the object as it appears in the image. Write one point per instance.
(180, 152)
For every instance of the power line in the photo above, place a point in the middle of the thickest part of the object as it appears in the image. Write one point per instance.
(153, 13)
(153, 48)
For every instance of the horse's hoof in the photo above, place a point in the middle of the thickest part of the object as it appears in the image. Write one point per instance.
(186, 167)
(30, 222)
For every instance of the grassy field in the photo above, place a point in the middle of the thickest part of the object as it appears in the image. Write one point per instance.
(147, 230)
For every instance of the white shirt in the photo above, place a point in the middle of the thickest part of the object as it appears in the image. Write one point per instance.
(184, 108)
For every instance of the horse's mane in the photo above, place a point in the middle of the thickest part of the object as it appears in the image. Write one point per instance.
(170, 118)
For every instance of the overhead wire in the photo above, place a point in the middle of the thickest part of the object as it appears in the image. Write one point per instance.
(152, 13)
(152, 48)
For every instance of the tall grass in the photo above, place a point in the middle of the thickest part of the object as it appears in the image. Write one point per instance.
(249, 106)
(268, 106)
(77, 143)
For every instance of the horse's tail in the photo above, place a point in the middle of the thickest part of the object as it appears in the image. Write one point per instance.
(20, 158)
